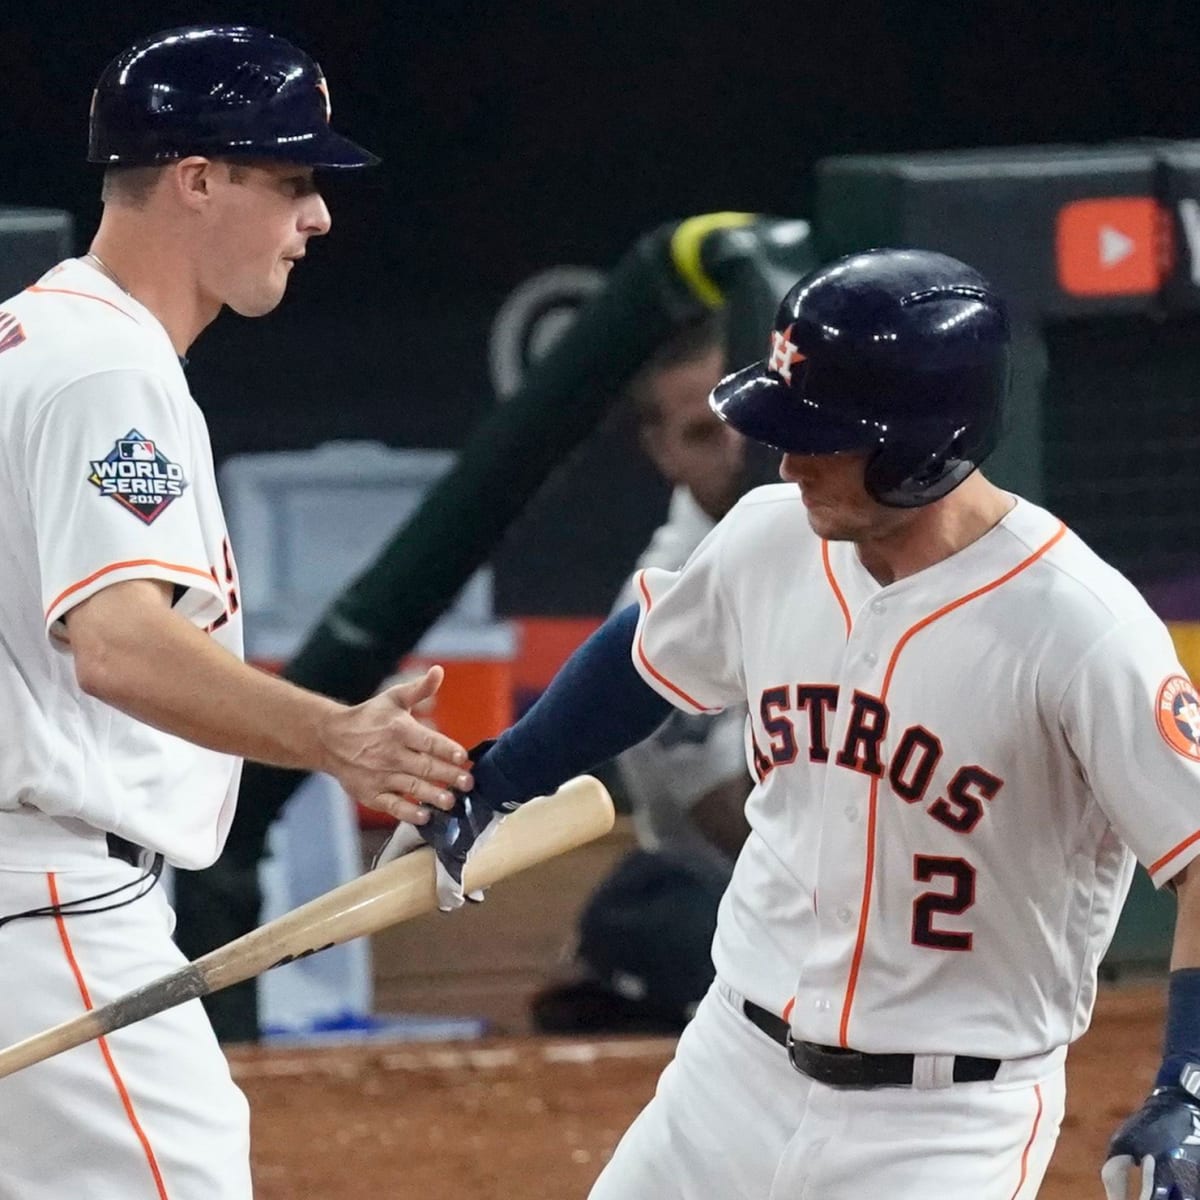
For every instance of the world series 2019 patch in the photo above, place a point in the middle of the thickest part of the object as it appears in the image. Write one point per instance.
(136, 474)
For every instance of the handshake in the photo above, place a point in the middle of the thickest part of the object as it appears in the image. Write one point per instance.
(453, 834)
(387, 757)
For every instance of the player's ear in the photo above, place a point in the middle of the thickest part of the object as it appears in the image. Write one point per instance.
(192, 178)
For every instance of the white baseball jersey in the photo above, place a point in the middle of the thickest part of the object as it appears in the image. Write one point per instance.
(672, 770)
(951, 768)
(108, 477)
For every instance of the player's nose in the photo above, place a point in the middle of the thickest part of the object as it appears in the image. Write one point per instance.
(315, 220)
(791, 469)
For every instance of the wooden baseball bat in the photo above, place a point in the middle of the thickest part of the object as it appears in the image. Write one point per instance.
(580, 811)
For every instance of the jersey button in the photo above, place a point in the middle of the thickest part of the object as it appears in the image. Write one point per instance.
(851, 813)
(878, 607)
(845, 914)
(870, 658)
(821, 1005)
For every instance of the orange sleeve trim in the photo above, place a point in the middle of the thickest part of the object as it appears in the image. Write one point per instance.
(678, 691)
(120, 566)
(1155, 867)
(837, 591)
(33, 287)
(905, 638)
(118, 1082)
(787, 1010)
(1037, 1120)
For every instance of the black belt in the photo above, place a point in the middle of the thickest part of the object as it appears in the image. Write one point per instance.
(150, 865)
(127, 851)
(851, 1068)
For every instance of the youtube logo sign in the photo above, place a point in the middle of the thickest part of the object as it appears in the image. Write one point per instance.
(1114, 246)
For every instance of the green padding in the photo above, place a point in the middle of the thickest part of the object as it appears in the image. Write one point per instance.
(756, 268)
(389, 607)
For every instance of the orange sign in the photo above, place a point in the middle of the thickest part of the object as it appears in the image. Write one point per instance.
(1114, 246)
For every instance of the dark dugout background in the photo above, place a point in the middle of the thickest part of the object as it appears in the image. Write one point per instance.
(523, 135)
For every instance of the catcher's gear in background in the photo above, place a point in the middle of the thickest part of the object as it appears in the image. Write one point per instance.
(903, 353)
(1162, 1139)
(220, 91)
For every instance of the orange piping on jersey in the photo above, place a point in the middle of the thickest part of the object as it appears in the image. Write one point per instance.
(133, 562)
(833, 583)
(33, 287)
(650, 667)
(1037, 1120)
(1170, 854)
(869, 875)
(122, 1091)
(787, 1010)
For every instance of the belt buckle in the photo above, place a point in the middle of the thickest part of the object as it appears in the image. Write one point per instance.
(807, 1067)
(850, 1069)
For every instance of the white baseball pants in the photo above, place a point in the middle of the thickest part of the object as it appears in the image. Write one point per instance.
(733, 1120)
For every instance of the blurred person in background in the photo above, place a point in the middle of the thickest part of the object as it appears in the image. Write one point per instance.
(645, 934)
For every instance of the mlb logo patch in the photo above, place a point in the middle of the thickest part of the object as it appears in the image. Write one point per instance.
(138, 476)
(135, 451)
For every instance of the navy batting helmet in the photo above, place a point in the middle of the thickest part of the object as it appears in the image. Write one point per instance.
(903, 353)
(222, 91)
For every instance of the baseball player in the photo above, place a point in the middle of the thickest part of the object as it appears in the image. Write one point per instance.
(964, 727)
(127, 704)
(645, 933)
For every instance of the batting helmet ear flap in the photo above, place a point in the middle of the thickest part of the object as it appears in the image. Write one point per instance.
(905, 475)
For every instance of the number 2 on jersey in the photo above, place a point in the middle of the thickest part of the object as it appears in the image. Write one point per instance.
(954, 903)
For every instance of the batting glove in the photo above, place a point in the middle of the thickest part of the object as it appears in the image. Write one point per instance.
(453, 836)
(1162, 1141)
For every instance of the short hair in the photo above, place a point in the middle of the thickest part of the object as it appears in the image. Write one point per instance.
(132, 185)
(690, 342)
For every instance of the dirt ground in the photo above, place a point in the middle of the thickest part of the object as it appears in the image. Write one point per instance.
(535, 1119)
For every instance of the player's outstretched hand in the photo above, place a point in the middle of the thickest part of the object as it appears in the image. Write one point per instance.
(386, 758)
(1155, 1155)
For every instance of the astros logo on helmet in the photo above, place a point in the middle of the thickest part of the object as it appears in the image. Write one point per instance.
(784, 354)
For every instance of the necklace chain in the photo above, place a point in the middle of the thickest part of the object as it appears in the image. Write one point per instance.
(107, 270)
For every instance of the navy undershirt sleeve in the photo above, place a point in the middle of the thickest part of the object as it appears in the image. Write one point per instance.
(1181, 1038)
(595, 707)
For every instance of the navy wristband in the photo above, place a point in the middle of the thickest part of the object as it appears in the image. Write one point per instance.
(1181, 1037)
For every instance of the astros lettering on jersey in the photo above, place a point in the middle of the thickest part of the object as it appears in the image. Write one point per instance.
(108, 478)
(917, 830)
